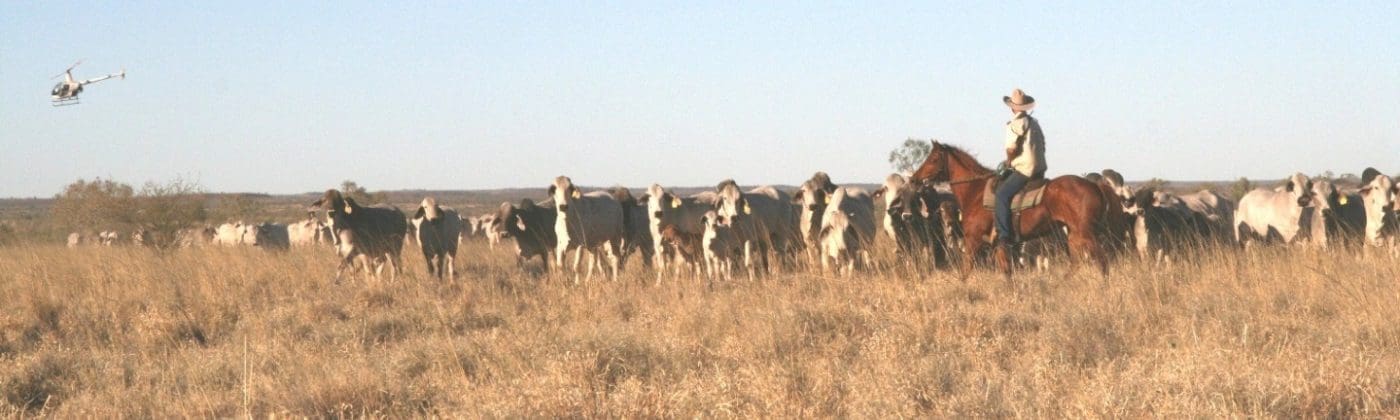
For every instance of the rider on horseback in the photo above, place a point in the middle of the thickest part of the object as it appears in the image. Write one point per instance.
(1025, 161)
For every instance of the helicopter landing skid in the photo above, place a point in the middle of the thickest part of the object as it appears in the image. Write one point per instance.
(66, 101)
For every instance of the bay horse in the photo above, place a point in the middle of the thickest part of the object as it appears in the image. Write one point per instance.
(1069, 201)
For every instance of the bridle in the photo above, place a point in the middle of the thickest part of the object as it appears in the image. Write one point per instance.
(944, 172)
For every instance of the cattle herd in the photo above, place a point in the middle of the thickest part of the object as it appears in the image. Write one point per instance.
(717, 234)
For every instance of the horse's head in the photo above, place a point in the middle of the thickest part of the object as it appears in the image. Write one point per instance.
(935, 167)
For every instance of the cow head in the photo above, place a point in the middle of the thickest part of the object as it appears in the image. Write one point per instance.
(563, 191)
(659, 202)
(1301, 189)
(1377, 195)
(732, 205)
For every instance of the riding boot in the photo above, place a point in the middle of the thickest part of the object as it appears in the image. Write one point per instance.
(1010, 247)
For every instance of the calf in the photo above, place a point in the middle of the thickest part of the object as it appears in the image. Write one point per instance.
(438, 229)
(688, 246)
(848, 228)
(720, 244)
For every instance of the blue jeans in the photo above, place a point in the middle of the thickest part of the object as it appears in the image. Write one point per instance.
(1008, 189)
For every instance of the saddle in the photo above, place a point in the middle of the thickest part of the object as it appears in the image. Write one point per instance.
(1028, 197)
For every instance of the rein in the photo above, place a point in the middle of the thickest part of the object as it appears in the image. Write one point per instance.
(951, 156)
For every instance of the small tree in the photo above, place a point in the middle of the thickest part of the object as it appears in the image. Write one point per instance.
(350, 189)
(1240, 188)
(164, 209)
(908, 156)
(92, 205)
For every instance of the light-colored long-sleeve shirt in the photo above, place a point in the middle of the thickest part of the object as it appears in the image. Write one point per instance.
(1031, 161)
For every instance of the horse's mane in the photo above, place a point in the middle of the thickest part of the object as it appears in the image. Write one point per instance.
(966, 158)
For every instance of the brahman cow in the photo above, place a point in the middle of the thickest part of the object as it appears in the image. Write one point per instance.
(811, 198)
(637, 236)
(592, 222)
(685, 214)
(1364, 216)
(369, 235)
(532, 227)
(719, 245)
(439, 229)
(1287, 214)
(1163, 224)
(269, 235)
(847, 230)
(920, 221)
(195, 236)
(309, 232)
(762, 220)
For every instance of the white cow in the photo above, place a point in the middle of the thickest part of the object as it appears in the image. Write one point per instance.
(686, 215)
(309, 232)
(591, 222)
(847, 230)
(762, 220)
(1286, 214)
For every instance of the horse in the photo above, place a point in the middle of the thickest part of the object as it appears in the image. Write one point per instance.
(1069, 201)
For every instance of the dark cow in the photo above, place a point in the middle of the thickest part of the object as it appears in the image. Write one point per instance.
(532, 227)
(368, 234)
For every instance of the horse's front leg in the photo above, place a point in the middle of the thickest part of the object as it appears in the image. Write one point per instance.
(974, 245)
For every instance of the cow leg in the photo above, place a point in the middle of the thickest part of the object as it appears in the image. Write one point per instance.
(432, 269)
(748, 258)
(614, 260)
(346, 261)
(451, 267)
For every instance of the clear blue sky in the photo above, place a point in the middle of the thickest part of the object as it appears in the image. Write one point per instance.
(293, 96)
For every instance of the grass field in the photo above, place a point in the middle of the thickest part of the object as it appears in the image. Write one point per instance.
(102, 332)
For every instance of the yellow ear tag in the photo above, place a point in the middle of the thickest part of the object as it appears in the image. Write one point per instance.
(826, 199)
(1343, 200)
(576, 193)
(347, 209)
(747, 210)
(675, 202)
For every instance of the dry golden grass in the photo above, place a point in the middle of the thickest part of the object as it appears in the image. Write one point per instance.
(233, 332)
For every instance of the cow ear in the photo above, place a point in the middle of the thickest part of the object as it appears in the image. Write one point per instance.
(923, 207)
(644, 198)
(1288, 187)
(418, 214)
(878, 192)
(520, 223)
(575, 192)
(1365, 190)
(797, 197)
(704, 220)
(747, 209)
(550, 190)
(675, 202)
(826, 198)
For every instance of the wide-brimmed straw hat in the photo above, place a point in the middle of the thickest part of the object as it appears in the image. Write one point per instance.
(1019, 101)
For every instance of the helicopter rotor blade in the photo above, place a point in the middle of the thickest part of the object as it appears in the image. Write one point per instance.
(70, 68)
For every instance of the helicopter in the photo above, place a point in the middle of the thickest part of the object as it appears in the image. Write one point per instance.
(66, 92)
